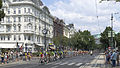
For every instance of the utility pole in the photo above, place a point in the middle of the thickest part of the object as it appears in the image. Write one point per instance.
(45, 33)
(112, 30)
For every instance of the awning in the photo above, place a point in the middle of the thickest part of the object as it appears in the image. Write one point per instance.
(8, 46)
(52, 48)
(40, 45)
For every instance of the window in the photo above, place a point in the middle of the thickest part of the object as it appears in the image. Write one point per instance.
(4, 38)
(14, 19)
(14, 37)
(29, 37)
(19, 27)
(24, 37)
(4, 1)
(8, 11)
(14, 11)
(29, 19)
(19, 19)
(39, 28)
(19, 11)
(1, 37)
(19, 37)
(25, 19)
(14, 27)
(8, 28)
(8, 37)
(28, 10)
(14, 0)
(24, 10)
(8, 19)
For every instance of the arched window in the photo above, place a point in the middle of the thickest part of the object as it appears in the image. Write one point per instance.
(19, 27)
(29, 26)
(14, 27)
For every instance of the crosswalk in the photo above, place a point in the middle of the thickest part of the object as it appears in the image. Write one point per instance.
(74, 64)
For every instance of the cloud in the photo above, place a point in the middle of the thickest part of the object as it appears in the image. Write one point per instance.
(83, 13)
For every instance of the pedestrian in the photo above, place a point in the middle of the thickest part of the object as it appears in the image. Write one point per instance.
(2, 58)
(117, 57)
(91, 53)
(108, 54)
(5, 58)
(114, 58)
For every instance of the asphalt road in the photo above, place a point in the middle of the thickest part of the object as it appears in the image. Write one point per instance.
(74, 62)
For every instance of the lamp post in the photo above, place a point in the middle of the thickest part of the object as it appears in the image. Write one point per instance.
(112, 30)
(45, 33)
(112, 33)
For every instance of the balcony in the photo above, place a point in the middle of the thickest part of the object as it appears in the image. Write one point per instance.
(28, 31)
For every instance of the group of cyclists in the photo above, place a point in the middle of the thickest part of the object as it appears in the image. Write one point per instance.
(46, 57)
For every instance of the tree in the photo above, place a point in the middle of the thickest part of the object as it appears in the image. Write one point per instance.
(117, 38)
(104, 37)
(60, 41)
(110, 0)
(83, 40)
(2, 14)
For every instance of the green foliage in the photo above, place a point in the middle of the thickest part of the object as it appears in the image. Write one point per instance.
(117, 38)
(2, 14)
(60, 40)
(104, 37)
(110, 0)
(117, 0)
(83, 40)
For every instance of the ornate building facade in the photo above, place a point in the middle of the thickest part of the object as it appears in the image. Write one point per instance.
(23, 24)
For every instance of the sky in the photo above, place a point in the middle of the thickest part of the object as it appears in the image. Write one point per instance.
(86, 14)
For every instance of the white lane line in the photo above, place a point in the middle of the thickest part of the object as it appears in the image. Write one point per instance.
(78, 64)
(83, 66)
(64, 63)
(71, 63)
(57, 63)
(54, 67)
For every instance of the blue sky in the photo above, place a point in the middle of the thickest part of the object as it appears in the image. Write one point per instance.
(83, 13)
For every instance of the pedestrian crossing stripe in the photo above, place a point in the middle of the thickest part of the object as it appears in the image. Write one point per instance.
(58, 63)
(71, 63)
(64, 63)
(78, 64)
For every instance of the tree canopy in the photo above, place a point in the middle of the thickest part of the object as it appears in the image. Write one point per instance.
(2, 14)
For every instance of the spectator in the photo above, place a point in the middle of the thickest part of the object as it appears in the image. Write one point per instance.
(5, 58)
(117, 58)
(114, 58)
(2, 58)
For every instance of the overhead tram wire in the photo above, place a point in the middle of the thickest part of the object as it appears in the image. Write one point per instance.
(97, 17)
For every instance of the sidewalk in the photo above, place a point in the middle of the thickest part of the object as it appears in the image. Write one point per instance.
(20, 62)
(100, 62)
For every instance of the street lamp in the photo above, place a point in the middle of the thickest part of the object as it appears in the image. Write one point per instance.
(111, 33)
(44, 31)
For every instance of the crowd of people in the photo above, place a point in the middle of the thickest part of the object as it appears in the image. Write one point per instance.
(12, 56)
(45, 57)
(112, 57)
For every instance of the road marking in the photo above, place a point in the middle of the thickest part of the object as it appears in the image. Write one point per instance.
(54, 67)
(57, 63)
(71, 63)
(64, 63)
(78, 64)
